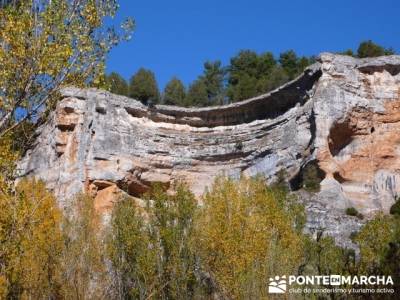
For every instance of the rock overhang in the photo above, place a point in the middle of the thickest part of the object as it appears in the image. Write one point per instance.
(342, 112)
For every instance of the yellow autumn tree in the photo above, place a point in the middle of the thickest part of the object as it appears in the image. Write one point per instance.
(46, 44)
(374, 239)
(30, 243)
(83, 262)
(150, 247)
(43, 46)
(244, 236)
(8, 159)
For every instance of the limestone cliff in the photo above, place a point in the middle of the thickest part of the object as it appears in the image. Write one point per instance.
(341, 113)
(97, 140)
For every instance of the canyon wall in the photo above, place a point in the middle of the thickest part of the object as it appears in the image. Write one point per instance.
(96, 140)
(342, 114)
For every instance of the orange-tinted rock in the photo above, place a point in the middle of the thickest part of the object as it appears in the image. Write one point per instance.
(343, 113)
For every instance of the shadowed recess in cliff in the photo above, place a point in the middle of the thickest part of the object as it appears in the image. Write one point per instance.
(267, 106)
(341, 134)
(392, 69)
(309, 177)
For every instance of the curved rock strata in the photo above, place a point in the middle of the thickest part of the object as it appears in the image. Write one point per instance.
(342, 112)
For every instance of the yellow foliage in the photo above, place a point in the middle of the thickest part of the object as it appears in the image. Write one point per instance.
(130, 249)
(83, 266)
(47, 44)
(8, 158)
(150, 247)
(373, 240)
(44, 255)
(245, 236)
(31, 242)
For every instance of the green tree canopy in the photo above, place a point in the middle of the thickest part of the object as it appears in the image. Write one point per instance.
(208, 89)
(251, 74)
(273, 79)
(288, 61)
(266, 62)
(245, 88)
(213, 78)
(197, 94)
(117, 84)
(246, 61)
(174, 93)
(370, 49)
(143, 87)
(243, 75)
(348, 52)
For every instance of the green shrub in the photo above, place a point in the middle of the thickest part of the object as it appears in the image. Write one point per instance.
(353, 235)
(351, 211)
(312, 178)
(395, 209)
(281, 182)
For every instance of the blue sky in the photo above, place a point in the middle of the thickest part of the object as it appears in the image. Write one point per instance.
(174, 38)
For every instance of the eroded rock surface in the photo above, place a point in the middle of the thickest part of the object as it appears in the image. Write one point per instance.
(357, 109)
(96, 140)
(342, 113)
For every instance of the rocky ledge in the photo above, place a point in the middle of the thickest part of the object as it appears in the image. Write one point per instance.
(342, 114)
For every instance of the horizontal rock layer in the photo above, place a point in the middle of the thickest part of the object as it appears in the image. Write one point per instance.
(96, 139)
(342, 113)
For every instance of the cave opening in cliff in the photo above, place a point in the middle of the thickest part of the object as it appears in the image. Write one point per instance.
(340, 135)
(308, 178)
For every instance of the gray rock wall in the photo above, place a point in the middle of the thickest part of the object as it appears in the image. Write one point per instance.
(96, 137)
(342, 112)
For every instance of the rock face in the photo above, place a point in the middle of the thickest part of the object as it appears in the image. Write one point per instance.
(96, 140)
(357, 144)
(342, 113)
